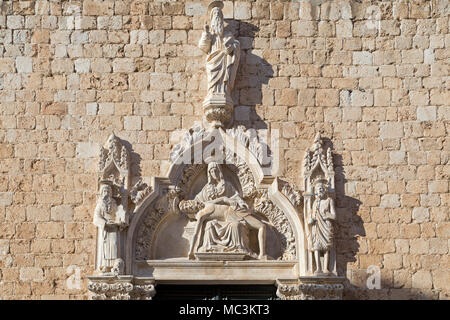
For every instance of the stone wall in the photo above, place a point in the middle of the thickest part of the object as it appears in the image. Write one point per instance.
(371, 75)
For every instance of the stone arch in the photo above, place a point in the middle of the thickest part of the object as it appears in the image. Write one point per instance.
(262, 190)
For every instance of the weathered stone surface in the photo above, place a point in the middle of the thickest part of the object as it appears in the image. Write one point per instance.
(373, 78)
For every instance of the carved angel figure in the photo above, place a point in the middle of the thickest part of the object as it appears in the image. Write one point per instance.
(109, 218)
(321, 224)
(224, 220)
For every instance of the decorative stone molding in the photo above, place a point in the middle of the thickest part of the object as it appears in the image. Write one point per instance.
(139, 192)
(119, 288)
(114, 162)
(222, 217)
(192, 136)
(265, 206)
(110, 291)
(149, 224)
(311, 288)
(318, 164)
(275, 202)
(292, 194)
(143, 292)
(233, 161)
(250, 139)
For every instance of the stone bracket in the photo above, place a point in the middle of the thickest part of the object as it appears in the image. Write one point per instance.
(121, 288)
(311, 288)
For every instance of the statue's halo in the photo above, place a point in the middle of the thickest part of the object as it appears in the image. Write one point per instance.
(215, 4)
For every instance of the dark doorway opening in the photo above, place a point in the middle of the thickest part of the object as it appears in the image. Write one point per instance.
(215, 292)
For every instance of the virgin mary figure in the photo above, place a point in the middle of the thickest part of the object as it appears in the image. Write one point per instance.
(225, 219)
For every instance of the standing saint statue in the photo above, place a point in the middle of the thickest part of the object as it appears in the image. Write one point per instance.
(222, 203)
(109, 219)
(321, 223)
(222, 61)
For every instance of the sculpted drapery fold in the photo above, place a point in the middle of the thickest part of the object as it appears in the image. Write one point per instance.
(223, 54)
(220, 217)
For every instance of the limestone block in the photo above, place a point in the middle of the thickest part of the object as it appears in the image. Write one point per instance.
(6, 198)
(327, 97)
(390, 201)
(15, 22)
(422, 279)
(426, 113)
(242, 10)
(363, 57)
(32, 274)
(344, 29)
(24, 64)
(195, 9)
(82, 65)
(62, 213)
(132, 123)
(87, 150)
(420, 214)
(361, 99)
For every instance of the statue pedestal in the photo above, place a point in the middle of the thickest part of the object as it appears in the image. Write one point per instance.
(221, 256)
(218, 110)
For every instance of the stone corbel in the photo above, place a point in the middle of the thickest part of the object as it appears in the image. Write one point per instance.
(311, 288)
(120, 288)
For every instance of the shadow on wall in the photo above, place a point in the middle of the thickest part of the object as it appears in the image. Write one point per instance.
(253, 72)
(350, 227)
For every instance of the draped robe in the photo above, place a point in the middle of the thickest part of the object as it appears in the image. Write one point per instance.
(230, 235)
(108, 235)
(221, 67)
(321, 237)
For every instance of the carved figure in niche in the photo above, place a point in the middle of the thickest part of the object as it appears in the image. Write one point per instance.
(109, 218)
(225, 218)
(222, 62)
(321, 223)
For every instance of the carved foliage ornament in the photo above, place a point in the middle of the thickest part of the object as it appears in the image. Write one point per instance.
(277, 218)
(251, 140)
(150, 222)
(318, 158)
(191, 137)
(120, 291)
(293, 195)
(114, 153)
(310, 291)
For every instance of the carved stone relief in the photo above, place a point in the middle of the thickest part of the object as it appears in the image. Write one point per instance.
(224, 231)
(319, 208)
(114, 205)
(218, 217)
(120, 288)
(222, 62)
(311, 289)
